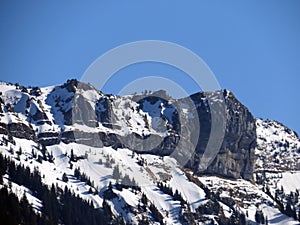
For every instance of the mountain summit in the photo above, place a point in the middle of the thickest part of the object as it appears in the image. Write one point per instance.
(146, 123)
(147, 158)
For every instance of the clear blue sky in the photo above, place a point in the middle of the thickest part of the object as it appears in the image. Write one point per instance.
(252, 47)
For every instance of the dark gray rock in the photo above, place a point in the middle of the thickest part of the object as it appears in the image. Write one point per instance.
(3, 128)
(236, 156)
(49, 138)
(20, 130)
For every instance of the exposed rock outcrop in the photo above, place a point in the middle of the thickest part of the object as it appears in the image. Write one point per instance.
(236, 156)
(148, 123)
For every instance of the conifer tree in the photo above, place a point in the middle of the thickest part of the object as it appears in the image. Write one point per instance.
(116, 173)
(65, 178)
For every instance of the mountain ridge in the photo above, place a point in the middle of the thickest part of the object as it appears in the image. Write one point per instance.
(155, 123)
(41, 129)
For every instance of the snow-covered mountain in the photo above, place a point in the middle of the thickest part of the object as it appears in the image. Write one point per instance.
(278, 147)
(123, 155)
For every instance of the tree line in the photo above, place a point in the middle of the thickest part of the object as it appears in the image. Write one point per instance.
(58, 206)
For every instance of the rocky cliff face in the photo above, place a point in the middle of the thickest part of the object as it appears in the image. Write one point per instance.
(236, 156)
(148, 123)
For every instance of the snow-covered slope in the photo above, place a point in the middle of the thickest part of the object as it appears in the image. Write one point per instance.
(147, 170)
(45, 129)
(278, 147)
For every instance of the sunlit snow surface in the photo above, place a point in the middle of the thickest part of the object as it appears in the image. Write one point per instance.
(155, 168)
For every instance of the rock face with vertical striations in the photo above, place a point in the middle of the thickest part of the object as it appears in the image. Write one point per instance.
(236, 156)
(146, 123)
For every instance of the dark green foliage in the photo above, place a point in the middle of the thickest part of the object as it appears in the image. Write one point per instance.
(51, 157)
(165, 189)
(177, 197)
(107, 211)
(168, 190)
(287, 203)
(72, 158)
(237, 219)
(156, 214)
(77, 211)
(209, 208)
(116, 173)
(126, 180)
(44, 151)
(67, 209)
(15, 211)
(144, 199)
(20, 151)
(90, 191)
(82, 177)
(33, 153)
(259, 217)
(77, 173)
(11, 150)
(109, 194)
(65, 178)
